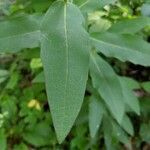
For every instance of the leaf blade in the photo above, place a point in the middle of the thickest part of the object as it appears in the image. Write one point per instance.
(130, 26)
(18, 33)
(123, 47)
(105, 80)
(95, 115)
(65, 74)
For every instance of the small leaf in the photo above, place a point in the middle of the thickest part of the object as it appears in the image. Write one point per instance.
(96, 111)
(108, 130)
(65, 57)
(38, 135)
(106, 81)
(39, 78)
(113, 134)
(129, 97)
(120, 135)
(127, 125)
(146, 86)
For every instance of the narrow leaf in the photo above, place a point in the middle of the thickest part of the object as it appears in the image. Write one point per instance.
(65, 56)
(108, 85)
(108, 131)
(130, 99)
(130, 25)
(127, 125)
(96, 111)
(120, 135)
(124, 47)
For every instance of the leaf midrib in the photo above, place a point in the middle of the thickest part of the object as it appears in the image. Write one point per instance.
(67, 58)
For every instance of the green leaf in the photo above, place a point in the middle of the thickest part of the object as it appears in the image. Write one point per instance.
(8, 105)
(87, 6)
(39, 78)
(124, 47)
(12, 82)
(130, 25)
(108, 131)
(35, 63)
(113, 133)
(3, 142)
(129, 97)
(65, 56)
(131, 83)
(19, 33)
(21, 146)
(127, 125)
(146, 86)
(145, 132)
(38, 135)
(106, 81)
(145, 9)
(3, 75)
(120, 135)
(96, 111)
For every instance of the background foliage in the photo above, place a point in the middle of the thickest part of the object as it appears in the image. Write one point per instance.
(25, 120)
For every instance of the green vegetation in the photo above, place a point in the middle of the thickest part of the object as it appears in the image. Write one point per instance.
(74, 74)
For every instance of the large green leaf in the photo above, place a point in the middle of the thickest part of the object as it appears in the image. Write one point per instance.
(18, 33)
(124, 47)
(130, 25)
(65, 56)
(108, 85)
